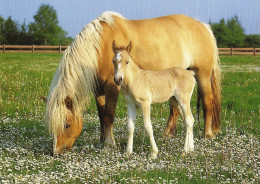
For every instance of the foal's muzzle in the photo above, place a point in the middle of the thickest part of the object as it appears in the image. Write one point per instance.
(118, 81)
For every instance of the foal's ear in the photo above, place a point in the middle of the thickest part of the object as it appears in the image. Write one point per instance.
(129, 47)
(114, 46)
(68, 103)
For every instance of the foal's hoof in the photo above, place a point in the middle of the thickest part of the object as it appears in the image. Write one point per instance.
(185, 153)
(153, 156)
(128, 154)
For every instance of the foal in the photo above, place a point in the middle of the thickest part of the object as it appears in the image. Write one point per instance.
(141, 88)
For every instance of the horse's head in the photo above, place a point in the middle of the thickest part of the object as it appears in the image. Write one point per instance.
(72, 128)
(120, 61)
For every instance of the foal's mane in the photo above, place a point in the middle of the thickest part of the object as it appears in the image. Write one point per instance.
(76, 75)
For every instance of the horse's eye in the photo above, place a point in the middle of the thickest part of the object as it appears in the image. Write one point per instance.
(127, 62)
(67, 126)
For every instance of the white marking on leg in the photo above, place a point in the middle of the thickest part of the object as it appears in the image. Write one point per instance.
(189, 142)
(131, 126)
(149, 129)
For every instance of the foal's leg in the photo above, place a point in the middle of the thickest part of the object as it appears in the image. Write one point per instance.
(132, 108)
(184, 102)
(148, 127)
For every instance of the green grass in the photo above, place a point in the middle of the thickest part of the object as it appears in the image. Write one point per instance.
(25, 145)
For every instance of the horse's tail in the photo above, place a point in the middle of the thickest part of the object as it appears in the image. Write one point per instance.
(215, 84)
(216, 90)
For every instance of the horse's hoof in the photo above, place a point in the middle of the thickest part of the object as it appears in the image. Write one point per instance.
(217, 130)
(168, 136)
(209, 135)
(110, 147)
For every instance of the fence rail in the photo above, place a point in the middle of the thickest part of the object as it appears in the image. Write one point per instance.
(33, 48)
(61, 49)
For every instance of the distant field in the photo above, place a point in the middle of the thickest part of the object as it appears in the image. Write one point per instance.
(25, 145)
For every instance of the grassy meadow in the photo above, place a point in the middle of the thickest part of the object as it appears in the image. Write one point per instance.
(25, 145)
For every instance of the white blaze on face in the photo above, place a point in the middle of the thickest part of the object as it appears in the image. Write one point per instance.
(119, 65)
(118, 57)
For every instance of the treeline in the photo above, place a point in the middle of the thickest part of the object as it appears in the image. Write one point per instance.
(46, 31)
(43, 31)
(230, 33)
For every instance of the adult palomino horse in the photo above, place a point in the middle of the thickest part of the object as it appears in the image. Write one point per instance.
(159, 43)
(141, 88)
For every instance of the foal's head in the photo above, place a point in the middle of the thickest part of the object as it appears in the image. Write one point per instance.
(120, 61)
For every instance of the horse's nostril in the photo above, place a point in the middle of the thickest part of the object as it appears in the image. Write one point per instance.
(120, 80)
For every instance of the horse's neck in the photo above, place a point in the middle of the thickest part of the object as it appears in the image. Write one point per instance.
(134, 74)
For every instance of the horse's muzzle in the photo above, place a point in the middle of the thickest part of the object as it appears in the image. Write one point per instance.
(118, 81)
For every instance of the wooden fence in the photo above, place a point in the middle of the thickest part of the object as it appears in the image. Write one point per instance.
(33, 48)
(60, 49)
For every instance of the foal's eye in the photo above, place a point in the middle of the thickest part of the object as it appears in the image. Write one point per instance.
(127, 62)
(67, 126)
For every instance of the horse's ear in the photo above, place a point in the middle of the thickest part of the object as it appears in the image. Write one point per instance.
(114, 46)
(68, 103)
(129, 47)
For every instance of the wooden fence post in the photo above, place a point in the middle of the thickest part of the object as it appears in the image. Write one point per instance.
(32, 48)
(59, 48)
(254, 51)
(231, 51)
(4, 48)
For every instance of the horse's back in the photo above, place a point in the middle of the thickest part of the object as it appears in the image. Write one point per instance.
(177, 40)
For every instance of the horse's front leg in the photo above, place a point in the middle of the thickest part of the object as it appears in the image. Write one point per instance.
(132, 108)
(100, 102)
(111, 96)
(148, 127)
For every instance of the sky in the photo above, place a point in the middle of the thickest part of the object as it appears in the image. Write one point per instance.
(73, 15)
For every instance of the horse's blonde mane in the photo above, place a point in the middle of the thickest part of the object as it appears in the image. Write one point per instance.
(76, 74)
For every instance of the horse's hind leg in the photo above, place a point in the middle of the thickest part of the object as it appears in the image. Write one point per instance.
(204, 86)
(173, 117)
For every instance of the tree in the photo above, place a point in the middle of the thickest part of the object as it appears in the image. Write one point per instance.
(221, 33)
(45, 29)
(237, 36)
(2, 37)
(11, 31)
(230, 33)
(252, 41)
